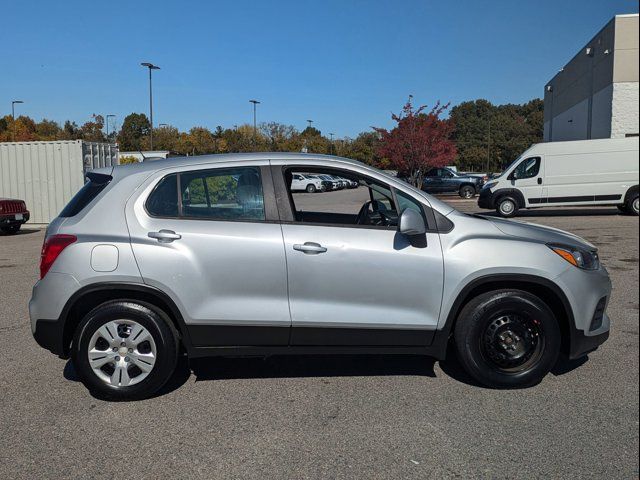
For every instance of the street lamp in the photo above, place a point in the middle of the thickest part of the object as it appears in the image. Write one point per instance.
(309, 122)
(107, 123)
(13, 119)
(331, 140)
(150, 66)
(255, 129)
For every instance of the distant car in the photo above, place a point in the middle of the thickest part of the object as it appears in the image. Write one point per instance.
(309, 184)
(13, 213)
(445, 180)
(349, 183)
(336, 184)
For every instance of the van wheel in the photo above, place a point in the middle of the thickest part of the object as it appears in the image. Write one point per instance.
(467, 191)
(632, 204)
(507, 339)
(507, 207)
(125, 350)
(311, 188)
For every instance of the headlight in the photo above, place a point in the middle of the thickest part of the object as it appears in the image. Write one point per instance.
(490, 184)
(584, 259)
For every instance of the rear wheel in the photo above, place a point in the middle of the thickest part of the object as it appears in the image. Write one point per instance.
(125, 350)
(467, 191)
(632, 205)
(311, 188)
(507, 338)
(507, 207)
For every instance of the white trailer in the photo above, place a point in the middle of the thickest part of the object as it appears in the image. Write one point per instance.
(46, 175)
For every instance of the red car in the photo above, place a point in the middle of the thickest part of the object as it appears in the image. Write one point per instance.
(13, 213)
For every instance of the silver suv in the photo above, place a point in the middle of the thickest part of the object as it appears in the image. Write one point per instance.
(215, 255)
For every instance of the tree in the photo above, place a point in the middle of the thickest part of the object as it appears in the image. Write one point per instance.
(91, 131)
(48, 130)
(490, 136)
(418, 142)
(70, 131)
(135, 127)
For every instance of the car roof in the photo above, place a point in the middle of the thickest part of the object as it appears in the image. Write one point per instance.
(160, 164)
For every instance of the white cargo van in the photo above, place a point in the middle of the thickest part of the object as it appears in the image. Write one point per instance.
(578, 173)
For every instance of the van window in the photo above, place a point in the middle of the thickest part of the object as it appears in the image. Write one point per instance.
(528, 168)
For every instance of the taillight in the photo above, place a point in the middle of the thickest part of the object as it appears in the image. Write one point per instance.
(51, 249)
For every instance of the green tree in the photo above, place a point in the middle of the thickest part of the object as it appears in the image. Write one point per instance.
(48, 130)
(134, 128)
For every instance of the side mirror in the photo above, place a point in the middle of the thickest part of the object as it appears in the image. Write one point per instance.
(514, 175)
(411, 223)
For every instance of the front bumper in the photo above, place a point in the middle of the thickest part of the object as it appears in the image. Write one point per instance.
(582, 344)
(486, 200)
(10, 219)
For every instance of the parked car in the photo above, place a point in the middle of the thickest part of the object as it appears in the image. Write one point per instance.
(349, 183)
(577, 173)
(444, 180)
(13, 214)
(131, 276)
(309, 184)
(336, 184)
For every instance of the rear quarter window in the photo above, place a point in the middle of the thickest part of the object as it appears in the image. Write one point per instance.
(95, 184)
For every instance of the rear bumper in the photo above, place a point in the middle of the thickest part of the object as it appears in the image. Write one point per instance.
(49, 335)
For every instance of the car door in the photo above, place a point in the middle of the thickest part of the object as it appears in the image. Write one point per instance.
(432, 182)
(448, 182)
(209, 238)
(528, 177)
(352, 284)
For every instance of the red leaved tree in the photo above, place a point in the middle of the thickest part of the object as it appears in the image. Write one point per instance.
(419, 142)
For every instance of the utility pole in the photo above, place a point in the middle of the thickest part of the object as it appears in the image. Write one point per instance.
(255, 125)
(13, 119)
(150, 66)
(489, 145)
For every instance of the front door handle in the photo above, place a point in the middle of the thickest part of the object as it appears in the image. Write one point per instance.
(310, 248)
(165, 236)
(539, 181)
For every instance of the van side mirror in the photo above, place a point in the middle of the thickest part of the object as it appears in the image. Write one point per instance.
(411, 223)
(514, 175)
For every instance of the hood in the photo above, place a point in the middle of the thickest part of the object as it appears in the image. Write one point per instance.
(540, 233)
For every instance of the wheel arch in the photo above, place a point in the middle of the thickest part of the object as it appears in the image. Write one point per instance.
(89, 297)
(509, 192)
(545, 289)
(631, 191)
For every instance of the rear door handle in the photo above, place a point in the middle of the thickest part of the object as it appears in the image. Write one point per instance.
(165, 236)
(310, 248)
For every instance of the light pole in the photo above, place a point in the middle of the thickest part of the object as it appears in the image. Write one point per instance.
(150, 66)
(13, 119)
(331, 140)
(310, 122)
(255, 128)
(107, 123)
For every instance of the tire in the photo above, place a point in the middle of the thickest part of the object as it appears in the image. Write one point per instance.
(11, 229)
(632, 204)
(311, 188)
(467, 191)
(493, 324)
(507, 207)
(113, 325)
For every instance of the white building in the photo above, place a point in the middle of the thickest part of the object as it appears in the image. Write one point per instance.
(595, 95)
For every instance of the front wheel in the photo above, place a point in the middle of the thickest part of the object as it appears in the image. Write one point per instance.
(11, 229)
(507, 207)
(467, 192)
(507, 339)
(311, 188)
(125, 350)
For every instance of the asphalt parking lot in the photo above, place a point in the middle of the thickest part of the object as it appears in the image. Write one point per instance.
(328, 417)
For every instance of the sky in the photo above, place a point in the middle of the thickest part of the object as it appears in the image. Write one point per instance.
(346, 64)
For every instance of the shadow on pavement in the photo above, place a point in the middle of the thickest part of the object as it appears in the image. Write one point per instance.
(22, 231)
(291, 366)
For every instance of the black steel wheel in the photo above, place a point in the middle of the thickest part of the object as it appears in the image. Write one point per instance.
(507, 338)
